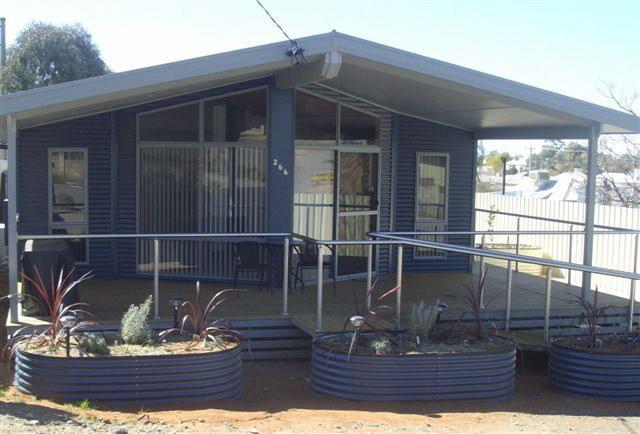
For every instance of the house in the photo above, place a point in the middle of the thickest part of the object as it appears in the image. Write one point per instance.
(360, 137)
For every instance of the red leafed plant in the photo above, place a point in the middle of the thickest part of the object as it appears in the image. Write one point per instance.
(591, 316)
(474, 300)
(369, 315)
(200, 324)
(52, 299)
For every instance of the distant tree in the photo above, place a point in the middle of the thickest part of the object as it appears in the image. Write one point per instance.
(494, 160)
(45, 54)
(620, 155)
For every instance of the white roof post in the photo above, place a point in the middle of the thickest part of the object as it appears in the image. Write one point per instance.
(590, 204)
(12, 214)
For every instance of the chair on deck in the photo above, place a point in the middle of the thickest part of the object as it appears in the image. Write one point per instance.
(308, 259)
(254, 257)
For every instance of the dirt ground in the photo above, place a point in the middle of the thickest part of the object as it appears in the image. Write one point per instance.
(277, 399)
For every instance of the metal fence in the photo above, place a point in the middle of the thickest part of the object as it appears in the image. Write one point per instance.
(616, 250)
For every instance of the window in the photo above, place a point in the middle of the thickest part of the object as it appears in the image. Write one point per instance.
(177, 124)
(68, 197)
(357, 128)
(316, 120)
(432, 198)
(237, 118)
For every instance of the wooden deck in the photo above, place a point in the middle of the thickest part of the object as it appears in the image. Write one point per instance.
(110, 298)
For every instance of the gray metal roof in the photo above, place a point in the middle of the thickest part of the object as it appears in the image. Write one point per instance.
(398, 80)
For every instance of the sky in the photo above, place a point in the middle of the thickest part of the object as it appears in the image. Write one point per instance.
(570, 47)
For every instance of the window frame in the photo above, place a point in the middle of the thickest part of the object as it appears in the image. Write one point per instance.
(200, 102)
(417, 221)
(64, 225)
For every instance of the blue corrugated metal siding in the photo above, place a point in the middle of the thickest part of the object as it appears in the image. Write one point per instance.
(413, 136)
(92, 133)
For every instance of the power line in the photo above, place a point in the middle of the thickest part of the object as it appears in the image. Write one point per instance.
(295, 51)
(274, 21)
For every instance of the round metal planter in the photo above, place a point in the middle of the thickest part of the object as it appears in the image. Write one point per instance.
(595, 375)
(141, 379)
(487, 376)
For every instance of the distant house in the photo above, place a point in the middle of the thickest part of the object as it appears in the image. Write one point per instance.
(362, 137)
(571, 186)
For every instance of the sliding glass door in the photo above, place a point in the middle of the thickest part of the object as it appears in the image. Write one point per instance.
(202, 169)
(336, 176)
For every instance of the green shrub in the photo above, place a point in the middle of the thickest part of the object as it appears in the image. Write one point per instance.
(381, 345)
(134, 327)
(423, 318)
(92, 343)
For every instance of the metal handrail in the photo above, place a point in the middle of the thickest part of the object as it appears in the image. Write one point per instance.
(516, 232)
(391, 239)
(503, 256)
(545, 219)
(286, 237)
(396, 238)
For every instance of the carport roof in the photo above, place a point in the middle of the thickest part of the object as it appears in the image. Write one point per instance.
(404, 82)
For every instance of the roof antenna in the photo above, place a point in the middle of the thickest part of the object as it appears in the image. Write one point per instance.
(295, 51)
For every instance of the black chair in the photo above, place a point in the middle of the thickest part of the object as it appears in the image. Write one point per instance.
(254, 257)
(308, 259)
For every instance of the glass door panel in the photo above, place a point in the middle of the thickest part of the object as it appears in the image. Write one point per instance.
(314, 193)
(353, 259)
(358, 182)
(357, 208)
(168, 203)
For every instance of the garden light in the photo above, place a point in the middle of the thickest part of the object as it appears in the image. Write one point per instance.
(175, 304)
(67, 322)
(357, 321)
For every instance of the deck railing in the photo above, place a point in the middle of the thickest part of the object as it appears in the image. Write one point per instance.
(286, 237)
(401, 239)
(398, 239)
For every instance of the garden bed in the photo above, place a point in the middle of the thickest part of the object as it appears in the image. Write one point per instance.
(193, 376)
(607, 373)
(466, 373)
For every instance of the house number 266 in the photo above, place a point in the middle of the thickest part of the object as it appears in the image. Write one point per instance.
(280, 167)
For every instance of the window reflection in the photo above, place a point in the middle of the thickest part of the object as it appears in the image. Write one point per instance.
(237, 118)
(358, 182)
(316, 121)
(431, 194)
(68, 180)
(357, 128)
(178, 124)
(314, 193)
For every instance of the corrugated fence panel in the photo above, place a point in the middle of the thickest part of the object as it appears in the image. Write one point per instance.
(609, 251)
(415, 136)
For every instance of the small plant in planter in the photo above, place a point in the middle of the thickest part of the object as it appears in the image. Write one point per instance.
(595, 364)
(52, 338)
(201, 361)
(134, 327)
(427, 361)
(199, 325)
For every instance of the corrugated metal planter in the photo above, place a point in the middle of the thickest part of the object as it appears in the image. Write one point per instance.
(595, 375)
(488, 376)
(142, 379)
